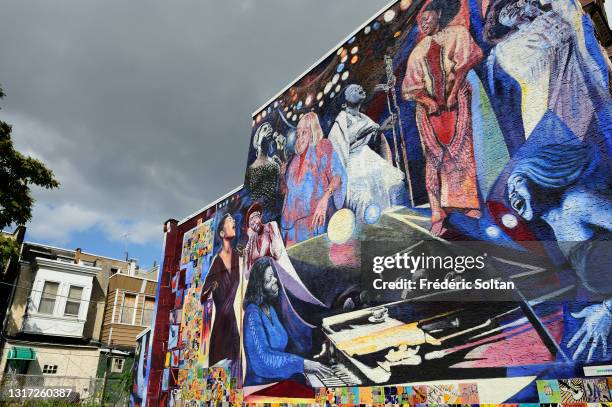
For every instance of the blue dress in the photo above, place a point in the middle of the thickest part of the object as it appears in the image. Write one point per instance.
(306, 180)
(265, 341)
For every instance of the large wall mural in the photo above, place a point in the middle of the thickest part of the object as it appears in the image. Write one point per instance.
(140, 371)
(466, 131)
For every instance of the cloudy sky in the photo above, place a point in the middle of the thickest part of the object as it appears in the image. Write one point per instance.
(142, 108)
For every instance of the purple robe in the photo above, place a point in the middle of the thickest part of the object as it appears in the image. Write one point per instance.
(224, 338)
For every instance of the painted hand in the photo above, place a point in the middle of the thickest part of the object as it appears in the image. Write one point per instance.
(206, 294)
(452, 99)
(367, 130)
(320, 213)
(311, 366)
(281, 141)
(348, 305)
(594, 329)
(432, 107)
(388, 123)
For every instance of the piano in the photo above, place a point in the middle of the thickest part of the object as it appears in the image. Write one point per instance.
(415, 341)
(442, 336)
(342, 377)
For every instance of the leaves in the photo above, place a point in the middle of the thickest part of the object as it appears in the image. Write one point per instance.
(9, 250)
(17, 174)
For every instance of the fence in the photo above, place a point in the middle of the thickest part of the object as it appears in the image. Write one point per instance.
(19, 388)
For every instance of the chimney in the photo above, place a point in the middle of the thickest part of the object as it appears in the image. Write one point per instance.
(132, 267)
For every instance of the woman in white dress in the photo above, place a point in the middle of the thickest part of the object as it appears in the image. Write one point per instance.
(372, 180)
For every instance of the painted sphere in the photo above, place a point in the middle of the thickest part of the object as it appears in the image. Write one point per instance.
(371, 214)
(341, 226)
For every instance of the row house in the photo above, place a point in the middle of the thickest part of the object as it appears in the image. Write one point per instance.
(56, 321)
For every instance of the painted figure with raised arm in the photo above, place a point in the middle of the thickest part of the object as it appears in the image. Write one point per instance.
(372, 179)
(265, 241)
(262, 176)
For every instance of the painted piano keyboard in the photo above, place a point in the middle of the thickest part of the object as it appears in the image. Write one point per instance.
(342, 377)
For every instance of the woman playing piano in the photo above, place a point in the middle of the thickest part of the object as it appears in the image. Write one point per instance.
(274, 335)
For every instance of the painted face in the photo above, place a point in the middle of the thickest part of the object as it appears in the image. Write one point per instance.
(520, 196)
(264, 131)
(518, 12)
(229, 228)
(255, 222)
(303, 139)
(428, 22)
(270, 283)
(355, 94)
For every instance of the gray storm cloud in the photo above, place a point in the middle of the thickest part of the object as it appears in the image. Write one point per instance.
(142, 108)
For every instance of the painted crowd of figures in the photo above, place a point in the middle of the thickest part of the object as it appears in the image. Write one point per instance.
(262, 280)
(509, 103)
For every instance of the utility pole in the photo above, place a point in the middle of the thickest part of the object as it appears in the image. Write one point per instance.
(107, 372)
(108, 359)
(125, 250)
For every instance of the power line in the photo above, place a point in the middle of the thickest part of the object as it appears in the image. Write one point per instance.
(68, 354)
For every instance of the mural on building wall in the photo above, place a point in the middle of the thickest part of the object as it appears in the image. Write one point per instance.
(140, 371)
(223, 288)
(202, 362)
(424, 126)
(195, 322)
(454, 125)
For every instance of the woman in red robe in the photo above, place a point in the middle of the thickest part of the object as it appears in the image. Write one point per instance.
(436, 80)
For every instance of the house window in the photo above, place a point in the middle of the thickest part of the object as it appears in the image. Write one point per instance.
(117, 365)
(113, 271)
(50, 369)
(73, 302)
(147, 312)
(128, 309)
(47, 299)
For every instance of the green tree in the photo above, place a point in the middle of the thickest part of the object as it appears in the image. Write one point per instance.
(126, 379)
(17, 174)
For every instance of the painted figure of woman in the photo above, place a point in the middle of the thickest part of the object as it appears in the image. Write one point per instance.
(267, 339)
(436, 80)
(262, 176)
(221, 283)
(314, 183)
(561, 185)
(371, 178)
(265, 241)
